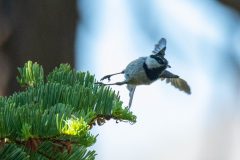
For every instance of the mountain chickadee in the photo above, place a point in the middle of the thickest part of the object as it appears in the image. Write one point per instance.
(146, 70)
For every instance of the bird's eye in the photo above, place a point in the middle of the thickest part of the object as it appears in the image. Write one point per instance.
(159, 59)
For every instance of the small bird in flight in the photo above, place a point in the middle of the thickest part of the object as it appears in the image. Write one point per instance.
(146, 70)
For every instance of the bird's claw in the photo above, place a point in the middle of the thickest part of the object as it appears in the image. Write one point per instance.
(106, 77)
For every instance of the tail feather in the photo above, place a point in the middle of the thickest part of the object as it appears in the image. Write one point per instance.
(131, 89)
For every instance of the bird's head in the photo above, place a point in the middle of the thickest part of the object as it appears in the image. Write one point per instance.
(156, 61)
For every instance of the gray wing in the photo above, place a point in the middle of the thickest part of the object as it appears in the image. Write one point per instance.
(175, 81)
(160, 47)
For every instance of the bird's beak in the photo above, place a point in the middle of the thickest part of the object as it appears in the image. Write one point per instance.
(169, 66)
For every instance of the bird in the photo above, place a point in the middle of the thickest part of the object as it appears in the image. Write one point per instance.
(146, 70)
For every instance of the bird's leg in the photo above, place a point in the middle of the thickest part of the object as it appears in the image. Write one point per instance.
(117, 83)
(110, 75)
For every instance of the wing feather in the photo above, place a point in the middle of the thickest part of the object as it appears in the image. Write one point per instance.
(175, 81)
(178, 83)
(160, 47)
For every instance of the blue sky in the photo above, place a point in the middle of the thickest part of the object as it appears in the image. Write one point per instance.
(171, 125)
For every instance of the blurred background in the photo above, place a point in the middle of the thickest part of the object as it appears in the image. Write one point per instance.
(104, 36)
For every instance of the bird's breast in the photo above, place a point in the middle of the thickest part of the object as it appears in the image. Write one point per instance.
(135, 73)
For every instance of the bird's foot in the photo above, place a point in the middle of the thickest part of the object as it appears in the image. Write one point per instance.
(106, 77)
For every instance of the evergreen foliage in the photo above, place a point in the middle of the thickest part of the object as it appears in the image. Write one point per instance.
(52, 117)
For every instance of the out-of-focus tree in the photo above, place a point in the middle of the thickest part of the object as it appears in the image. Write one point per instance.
(235, 63)
(42, 31)
(234, 4)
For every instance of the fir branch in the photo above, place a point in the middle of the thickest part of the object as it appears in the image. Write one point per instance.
(53, 116)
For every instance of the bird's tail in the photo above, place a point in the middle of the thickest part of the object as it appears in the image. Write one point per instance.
(131, 89)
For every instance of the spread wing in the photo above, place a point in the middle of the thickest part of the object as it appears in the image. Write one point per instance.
(160, 47)
(175, 81)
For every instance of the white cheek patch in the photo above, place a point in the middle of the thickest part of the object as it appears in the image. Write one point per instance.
(152, 63)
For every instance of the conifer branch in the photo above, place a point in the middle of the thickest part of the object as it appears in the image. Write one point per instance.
(53, 116)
